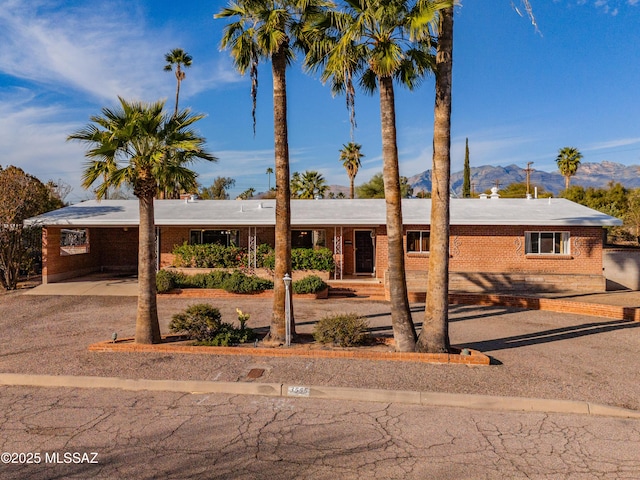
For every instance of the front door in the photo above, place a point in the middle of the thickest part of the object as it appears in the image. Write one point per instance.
(364, 251)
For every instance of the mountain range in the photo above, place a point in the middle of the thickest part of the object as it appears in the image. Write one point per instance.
(597, 175)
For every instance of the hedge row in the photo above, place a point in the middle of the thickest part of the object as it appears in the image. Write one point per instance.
(236, 282)
(218, 256)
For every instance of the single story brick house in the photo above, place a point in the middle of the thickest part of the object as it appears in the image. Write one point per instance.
(495, 244)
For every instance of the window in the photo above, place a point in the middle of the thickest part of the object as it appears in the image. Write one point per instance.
(547, 243)
(418, 242)
(74, 242)
(302, 239)
(219, 237)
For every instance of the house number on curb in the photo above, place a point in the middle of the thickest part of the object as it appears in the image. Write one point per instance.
(299, 391)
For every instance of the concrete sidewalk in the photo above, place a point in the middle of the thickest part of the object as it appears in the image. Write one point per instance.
(98, 285)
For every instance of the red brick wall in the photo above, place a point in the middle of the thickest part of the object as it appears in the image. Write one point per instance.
(485, 249)
(109, 248)
(501, 249)
(118, 247)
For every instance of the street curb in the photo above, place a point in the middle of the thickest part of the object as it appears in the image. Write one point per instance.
(479, 402)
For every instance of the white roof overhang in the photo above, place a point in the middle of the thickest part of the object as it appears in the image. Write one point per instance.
(555, 212)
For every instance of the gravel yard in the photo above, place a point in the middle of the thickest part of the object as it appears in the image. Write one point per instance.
(536, 353)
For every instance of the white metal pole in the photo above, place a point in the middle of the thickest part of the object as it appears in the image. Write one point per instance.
(287, 308)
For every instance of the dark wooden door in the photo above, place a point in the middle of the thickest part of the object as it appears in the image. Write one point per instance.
(364, 251)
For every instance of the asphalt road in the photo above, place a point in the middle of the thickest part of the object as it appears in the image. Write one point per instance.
(147, 434)
(114, 434)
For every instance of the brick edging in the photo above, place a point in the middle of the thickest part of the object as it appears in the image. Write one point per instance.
(127, 345)
(548, 304)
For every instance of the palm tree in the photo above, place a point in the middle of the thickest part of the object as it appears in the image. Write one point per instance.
(568, 161)
(268, 30)
(179, 58)
(269, 173)
(309, 185)
(381, 40)
(129, 145)
(175, 177)
(434, 337)
(247, 194)
(350, 156)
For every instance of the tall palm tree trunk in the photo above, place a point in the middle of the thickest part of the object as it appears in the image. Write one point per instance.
(175, 112)
(283, 200)
(147, 326)
(434, 337)
(352, 189)
(403, 329)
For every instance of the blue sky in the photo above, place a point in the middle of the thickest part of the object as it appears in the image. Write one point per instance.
(519, 94)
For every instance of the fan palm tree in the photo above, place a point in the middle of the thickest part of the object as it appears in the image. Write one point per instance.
(350, 156)
(381, 41)
(434, 336)
(180, 59)
(269, 30)
(309, 185)
(269, 172)
(129, 145)
(568, 161)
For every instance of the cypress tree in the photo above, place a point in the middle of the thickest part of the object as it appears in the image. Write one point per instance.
(466, 182)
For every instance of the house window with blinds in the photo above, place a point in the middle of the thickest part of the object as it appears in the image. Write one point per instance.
(547, 243)
(418, 241)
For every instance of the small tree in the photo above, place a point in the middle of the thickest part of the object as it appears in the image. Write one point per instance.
(21, 196)
(466, 173)
(218, 189)
(374, 188)
(632, 217)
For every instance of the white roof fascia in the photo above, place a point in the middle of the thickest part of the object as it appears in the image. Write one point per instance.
(555, 212)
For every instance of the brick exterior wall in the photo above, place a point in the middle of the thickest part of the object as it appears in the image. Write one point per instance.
(109, 249)
(494, 255)
(484, 258)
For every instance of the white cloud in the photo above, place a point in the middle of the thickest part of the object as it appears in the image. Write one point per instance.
(102, 48)
(620, 142)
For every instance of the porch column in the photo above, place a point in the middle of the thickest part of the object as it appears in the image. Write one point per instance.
(252, 253)
(337, 253)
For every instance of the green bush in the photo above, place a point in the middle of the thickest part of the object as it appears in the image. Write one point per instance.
(310, 259)
(200, 322)
(165, 281)
(305, 259)
(203, 323)
(345, 330)
(309, 284)
(238, 282)
(218, 256)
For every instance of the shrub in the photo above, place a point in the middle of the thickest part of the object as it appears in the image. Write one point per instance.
(165, 281)
(212, 255)
(345, 330)
(238, 282)
(309, 284)
(310, 259)
(202, 323)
